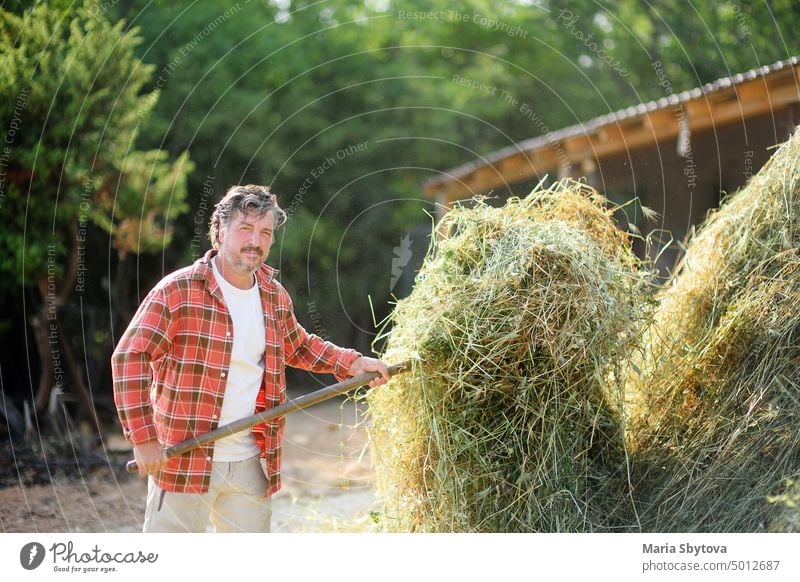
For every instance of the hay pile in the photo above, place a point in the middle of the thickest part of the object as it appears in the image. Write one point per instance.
(505, 422)
(715, 406)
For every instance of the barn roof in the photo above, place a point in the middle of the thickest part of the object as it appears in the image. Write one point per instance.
(723, 101)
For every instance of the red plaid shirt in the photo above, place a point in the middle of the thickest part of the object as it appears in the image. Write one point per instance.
(170, 369)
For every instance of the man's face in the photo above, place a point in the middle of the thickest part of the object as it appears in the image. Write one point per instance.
(244, 244)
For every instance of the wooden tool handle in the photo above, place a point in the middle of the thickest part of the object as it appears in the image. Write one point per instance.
(272, 413)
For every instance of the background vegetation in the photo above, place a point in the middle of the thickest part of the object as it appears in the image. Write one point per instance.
(145, 111)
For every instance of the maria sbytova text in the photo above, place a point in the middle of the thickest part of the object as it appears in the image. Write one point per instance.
(694, 550)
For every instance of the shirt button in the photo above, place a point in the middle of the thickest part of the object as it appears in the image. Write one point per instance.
(223, 374)
(214, 416)
(208, 458)
(228, 334)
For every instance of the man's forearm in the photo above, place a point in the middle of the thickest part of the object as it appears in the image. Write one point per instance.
(318, 355)
(132, 377)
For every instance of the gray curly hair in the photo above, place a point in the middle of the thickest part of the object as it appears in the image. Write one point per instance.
(245, 200)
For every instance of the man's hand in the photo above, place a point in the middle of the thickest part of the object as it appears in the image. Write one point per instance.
(149, 457)
(363, 365)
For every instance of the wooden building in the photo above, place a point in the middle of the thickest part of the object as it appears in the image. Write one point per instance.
(679, 155)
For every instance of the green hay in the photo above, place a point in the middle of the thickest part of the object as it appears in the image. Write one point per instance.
(506, 422)
(715, 405)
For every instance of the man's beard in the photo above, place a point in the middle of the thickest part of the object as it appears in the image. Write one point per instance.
(239, 265)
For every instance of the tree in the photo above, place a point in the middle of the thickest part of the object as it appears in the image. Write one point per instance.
(72, 101)
(268, 91)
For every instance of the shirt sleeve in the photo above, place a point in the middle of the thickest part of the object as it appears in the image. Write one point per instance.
(308, 351)
(145, 341)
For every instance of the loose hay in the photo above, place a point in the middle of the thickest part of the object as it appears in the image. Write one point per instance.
(785, 507)
(506, 421)
(715, 418)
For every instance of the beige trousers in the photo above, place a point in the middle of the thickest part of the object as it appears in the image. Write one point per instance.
(234, 502)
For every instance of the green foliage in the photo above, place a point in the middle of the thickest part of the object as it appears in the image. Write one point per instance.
(73, 95)
(268, 91)
(693, 42)
(149, 196)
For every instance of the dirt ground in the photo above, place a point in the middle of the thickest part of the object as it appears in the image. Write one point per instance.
(327, 484)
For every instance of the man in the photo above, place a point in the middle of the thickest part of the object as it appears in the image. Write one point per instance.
(208, 346)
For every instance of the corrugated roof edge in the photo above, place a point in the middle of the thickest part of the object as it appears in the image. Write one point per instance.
(614, 117)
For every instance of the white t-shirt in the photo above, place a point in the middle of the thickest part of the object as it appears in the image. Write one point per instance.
(247, 368)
